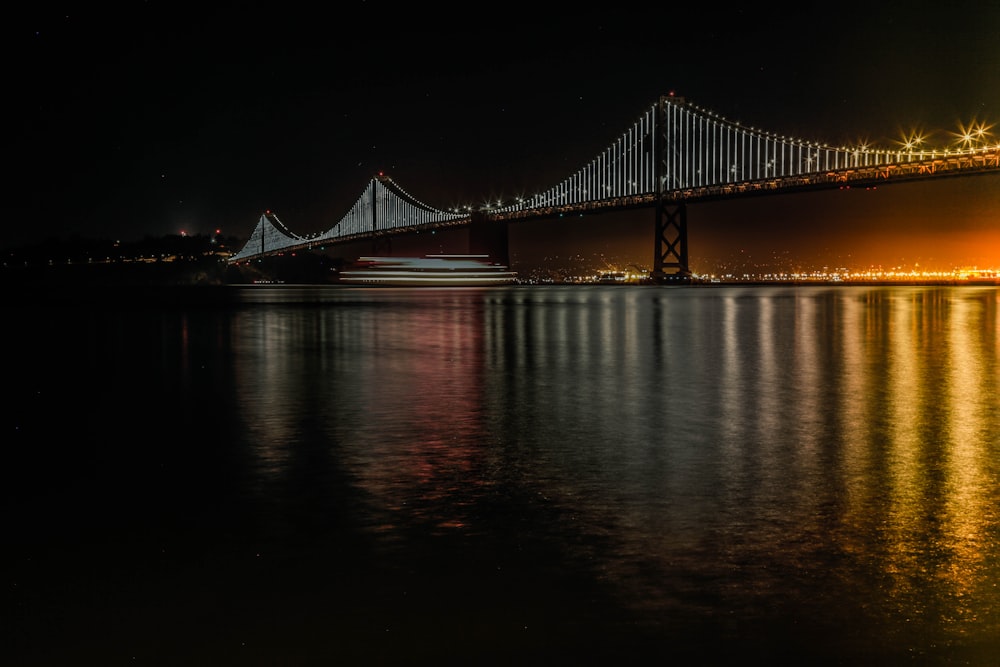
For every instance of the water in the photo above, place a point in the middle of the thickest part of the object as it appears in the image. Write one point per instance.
(522, 475)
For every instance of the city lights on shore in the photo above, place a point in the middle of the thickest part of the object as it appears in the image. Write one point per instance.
(897, 275)
(871, 275)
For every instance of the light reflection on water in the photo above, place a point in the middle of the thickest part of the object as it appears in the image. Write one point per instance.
(808, 471)
(826, 458)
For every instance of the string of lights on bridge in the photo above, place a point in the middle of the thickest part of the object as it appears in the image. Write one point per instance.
(971, 138)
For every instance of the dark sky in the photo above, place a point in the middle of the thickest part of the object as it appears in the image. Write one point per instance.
(155, 116)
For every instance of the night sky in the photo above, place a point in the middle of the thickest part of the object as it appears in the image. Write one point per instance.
(157, 117)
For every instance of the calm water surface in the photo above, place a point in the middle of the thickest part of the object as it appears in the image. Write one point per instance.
(291, 475)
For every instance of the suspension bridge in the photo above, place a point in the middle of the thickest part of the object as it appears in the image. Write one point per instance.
(673, 155)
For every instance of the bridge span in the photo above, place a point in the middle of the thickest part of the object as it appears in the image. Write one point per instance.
(673, 155)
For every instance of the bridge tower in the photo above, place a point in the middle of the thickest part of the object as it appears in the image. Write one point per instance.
(381, 243)
(671, 243)
(671, 220)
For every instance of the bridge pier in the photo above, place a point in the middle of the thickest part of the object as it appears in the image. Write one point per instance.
(489, 237)
(671, 245)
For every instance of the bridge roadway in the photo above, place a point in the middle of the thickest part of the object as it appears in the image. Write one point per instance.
(982, 162)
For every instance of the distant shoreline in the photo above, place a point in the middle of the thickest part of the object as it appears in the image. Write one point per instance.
(977, 282)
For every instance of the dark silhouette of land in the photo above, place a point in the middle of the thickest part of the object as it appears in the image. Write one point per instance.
(169, 260)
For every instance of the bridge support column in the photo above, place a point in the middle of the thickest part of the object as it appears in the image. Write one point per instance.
(670, 264)
(489, 238)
